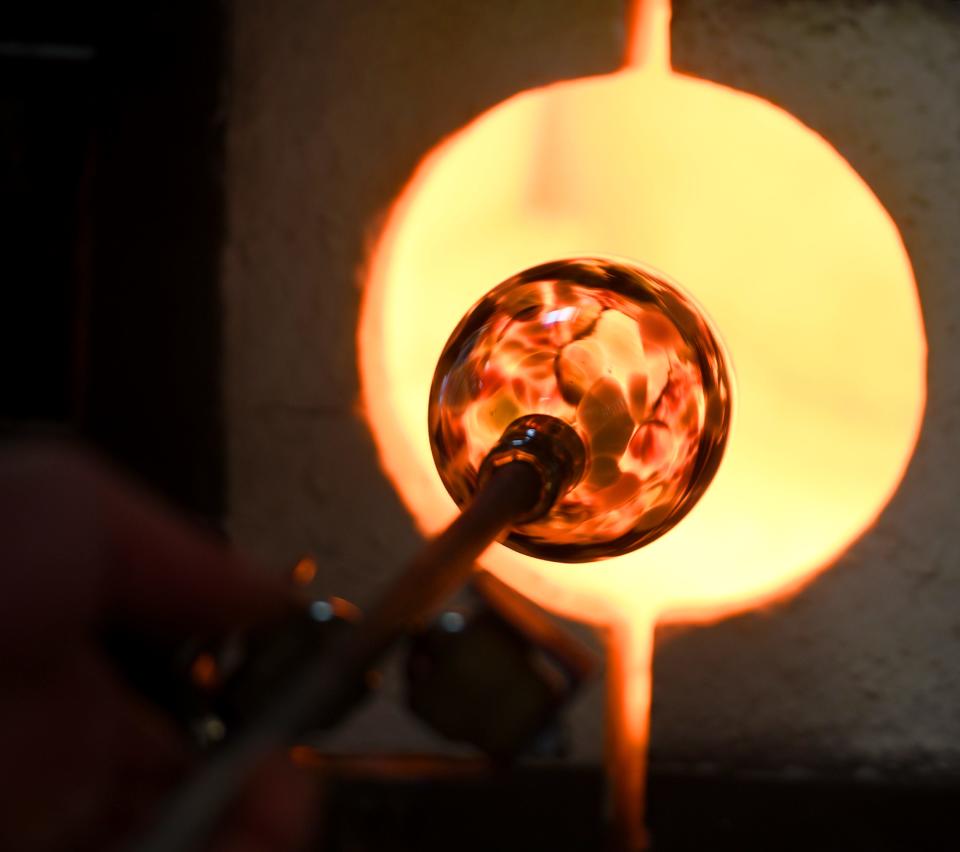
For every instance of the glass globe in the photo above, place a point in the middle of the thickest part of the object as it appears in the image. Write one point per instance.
(620, 354)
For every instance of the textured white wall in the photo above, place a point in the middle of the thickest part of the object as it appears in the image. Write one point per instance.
(330, 107)
(858, 672)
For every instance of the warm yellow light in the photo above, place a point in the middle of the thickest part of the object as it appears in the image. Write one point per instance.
(795, 260)
(797, 263)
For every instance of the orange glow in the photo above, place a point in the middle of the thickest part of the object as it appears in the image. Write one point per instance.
(305, 571)
(306, 757)
(204, 671)
(622, 357)
(798, 265)
(345, 610)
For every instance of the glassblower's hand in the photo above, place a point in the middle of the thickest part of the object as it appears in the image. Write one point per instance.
(85, 759)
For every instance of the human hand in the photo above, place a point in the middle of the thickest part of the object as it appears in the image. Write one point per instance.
(86, 759)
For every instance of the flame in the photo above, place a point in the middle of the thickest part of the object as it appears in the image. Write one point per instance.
(792, 256)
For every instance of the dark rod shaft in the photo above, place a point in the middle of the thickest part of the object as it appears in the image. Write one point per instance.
(328, 682)
(447, 561)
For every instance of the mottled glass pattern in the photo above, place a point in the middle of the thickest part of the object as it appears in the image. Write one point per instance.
(620, 354)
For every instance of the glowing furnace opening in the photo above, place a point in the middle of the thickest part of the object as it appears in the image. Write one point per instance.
(771, 230)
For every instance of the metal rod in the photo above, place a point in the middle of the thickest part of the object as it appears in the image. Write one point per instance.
(328, 683)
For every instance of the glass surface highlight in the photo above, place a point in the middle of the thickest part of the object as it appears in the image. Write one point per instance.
(624, 357)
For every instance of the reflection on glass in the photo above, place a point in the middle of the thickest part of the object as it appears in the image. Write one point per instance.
(621, 355)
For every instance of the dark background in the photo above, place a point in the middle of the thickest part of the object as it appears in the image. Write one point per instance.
(111, 145)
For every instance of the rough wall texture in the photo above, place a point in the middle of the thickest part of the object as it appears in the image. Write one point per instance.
(331, 107)
(859, 671)
(332, 104)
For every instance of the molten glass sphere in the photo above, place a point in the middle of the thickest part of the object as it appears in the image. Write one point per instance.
(619, 354)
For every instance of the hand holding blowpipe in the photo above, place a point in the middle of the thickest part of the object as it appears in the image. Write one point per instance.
(538, 460)
(634, 395)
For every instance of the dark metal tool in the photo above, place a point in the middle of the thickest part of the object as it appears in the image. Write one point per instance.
(538, 459)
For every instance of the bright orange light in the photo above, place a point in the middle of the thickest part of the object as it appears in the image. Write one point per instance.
(305, 571)
(799, 266)
(797, 263)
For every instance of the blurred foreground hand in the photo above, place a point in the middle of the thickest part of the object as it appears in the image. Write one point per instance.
(84, 759)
